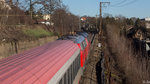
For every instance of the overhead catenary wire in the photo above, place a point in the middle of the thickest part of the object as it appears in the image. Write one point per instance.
(119, 2)
(125, 3)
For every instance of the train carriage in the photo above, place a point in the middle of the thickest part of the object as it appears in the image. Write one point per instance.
(59, 62)
(53, 63)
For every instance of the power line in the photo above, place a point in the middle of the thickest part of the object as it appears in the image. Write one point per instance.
(120, 2)
(126, 4)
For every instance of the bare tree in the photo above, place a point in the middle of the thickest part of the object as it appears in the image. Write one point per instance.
(64, 21)
(50, 5)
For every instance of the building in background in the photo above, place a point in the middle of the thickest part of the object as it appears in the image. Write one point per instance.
(46, 16)
(3, 5)
(147, 24)
(147, 19)
(45, 19)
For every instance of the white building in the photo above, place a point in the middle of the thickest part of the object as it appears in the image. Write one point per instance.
(147, 19)
(148, 25)
(3, 5)
(46, 16)
(116, 18)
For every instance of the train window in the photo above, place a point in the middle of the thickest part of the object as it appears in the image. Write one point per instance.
(88, 39)
(76, 65)
(78, 62)
(85, 42)
(65, 79)
(60, 82)
(71, 73)
(82, 47)
(68, 76)
(74, 68)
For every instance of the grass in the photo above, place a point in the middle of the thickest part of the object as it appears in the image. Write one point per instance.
(38, 33)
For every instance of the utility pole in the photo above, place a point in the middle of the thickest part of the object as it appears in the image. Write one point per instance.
(96, 22)
(101, 40)
(100, 27)
(31, 8)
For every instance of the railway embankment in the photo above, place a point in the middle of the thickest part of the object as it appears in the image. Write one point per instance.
(11, 48)
(122, 64)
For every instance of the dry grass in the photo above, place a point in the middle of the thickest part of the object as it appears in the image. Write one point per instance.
(135, 70)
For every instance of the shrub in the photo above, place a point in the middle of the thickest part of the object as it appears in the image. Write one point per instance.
(135, 69)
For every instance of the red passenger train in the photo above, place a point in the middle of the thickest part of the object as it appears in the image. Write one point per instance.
(59, 62)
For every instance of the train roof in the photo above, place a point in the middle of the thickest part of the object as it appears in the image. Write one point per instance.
(37, 65)
(83, 34)
(75, 38)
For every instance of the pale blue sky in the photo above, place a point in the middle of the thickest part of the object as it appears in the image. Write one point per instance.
(127, 8)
